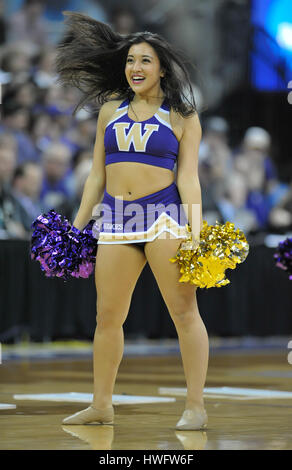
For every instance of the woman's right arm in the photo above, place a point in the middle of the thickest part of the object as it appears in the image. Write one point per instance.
(95, 183)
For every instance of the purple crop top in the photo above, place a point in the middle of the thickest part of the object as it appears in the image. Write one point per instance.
(151, 141)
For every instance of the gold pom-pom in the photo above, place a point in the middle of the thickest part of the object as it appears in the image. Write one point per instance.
(221, 247)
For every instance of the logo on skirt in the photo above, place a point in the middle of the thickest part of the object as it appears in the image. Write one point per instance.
(113, 226)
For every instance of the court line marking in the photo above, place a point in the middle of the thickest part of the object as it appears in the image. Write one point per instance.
(6, 406)
(88, 397)
(233, 393)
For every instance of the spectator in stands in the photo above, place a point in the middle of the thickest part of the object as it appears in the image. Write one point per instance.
(8, 160)
(211, 211)
(82, 132)
(23, 94)
(15, 119)
(258, 170)
(232, 203)
(56, 98)
(123, 20)
(70, 207)
(280, 217)
(255, 151)
(215, 152)
(15, 64)
(10, 212)
(26, 187)
(214, 162)
(81, 155)
(55, 110)
(43, 130)
(58, 183)
(7, 140)
(44, 73)
(57, 106)
(28, 23)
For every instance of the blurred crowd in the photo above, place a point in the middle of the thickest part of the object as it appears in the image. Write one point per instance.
(46, 153)
(241, 184)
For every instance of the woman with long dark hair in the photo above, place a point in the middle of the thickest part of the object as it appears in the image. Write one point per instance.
(147, 124)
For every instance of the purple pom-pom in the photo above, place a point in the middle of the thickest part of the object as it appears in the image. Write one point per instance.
(283, 256)
(62, 250)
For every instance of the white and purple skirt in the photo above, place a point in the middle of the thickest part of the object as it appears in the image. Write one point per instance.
(141, 220)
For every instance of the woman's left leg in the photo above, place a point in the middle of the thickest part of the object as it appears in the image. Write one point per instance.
(181, 301)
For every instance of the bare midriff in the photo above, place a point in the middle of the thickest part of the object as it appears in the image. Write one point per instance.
(132, 180)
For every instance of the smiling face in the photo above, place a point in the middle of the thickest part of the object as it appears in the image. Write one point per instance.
(143, 70)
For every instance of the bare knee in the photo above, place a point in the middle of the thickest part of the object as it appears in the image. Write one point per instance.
(184, 320)
(184, 312)
(110, 317)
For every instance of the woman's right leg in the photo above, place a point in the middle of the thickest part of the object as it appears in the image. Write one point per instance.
(117, 270)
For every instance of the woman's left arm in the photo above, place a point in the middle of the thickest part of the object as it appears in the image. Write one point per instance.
(187, 172)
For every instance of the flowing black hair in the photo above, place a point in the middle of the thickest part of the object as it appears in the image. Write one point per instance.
(92, 58)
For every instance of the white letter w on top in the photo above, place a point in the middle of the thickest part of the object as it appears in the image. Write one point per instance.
(134, 135)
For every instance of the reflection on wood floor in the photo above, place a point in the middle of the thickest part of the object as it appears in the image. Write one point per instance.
(233, 424)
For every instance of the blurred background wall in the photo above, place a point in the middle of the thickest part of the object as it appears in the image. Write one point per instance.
(239, 56)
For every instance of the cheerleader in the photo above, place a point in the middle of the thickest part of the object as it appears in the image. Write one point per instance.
(144, 182)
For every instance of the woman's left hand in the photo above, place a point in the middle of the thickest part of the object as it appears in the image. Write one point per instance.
(190, 244)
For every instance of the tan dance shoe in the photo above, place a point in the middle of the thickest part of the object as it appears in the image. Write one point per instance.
(192, 420)
(92, 415)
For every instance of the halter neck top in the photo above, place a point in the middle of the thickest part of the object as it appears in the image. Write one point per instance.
(151, 141)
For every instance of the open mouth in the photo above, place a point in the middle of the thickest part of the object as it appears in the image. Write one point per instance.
(136, 79)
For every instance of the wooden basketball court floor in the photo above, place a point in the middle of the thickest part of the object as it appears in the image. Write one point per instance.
(236, 422)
